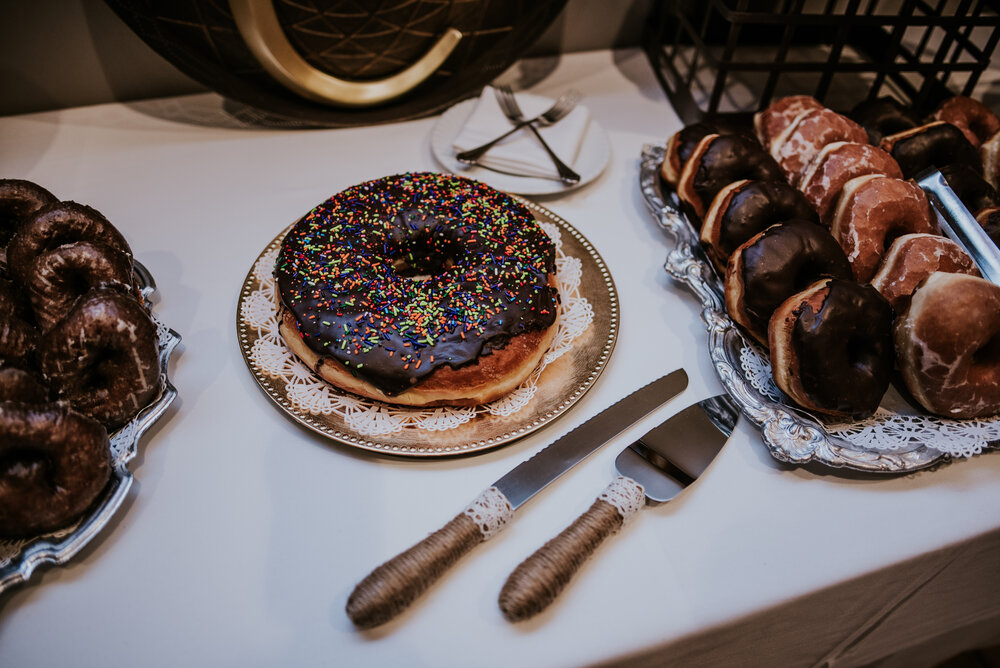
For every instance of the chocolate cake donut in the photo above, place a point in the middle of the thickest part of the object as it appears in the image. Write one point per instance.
(883, 116)
(53, 464)
(18, 335)
(19, 200)
(831, 348)
(22, 386)
(932, 145)
(745, 208)
(774, 265)
(419, 289)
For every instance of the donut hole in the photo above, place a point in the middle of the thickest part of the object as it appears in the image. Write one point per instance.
(427, 249)
(988, 354)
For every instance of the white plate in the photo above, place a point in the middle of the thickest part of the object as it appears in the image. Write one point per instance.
(595, 152)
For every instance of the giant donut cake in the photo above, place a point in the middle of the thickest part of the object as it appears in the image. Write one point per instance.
(419, 289)
(857, 175)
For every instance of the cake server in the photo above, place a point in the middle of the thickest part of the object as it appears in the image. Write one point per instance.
(654, 469)
(391, 587)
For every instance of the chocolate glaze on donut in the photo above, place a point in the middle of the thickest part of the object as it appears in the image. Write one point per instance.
(831, 348)
(18, 335)
(396, 277)
(19, 200)
(970, 187)
(682, 143)
(774, 265)
(22, 386)
(933, 145)
(745, 208)
(55, 225)
(53, 464)
(103, 356)
(883, 116)
(718, 161)
(59, 277)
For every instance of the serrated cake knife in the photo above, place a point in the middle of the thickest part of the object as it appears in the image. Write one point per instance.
(393, 586)
(654, 469)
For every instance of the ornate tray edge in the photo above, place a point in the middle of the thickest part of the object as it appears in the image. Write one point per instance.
(791, 435)
(60, 547)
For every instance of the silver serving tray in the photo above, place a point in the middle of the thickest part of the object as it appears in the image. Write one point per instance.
(791, 434)
(19, 558)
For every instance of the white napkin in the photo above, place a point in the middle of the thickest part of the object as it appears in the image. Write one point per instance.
(522, 153)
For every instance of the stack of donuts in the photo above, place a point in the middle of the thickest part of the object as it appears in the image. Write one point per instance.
(79, 355)
(832, 256)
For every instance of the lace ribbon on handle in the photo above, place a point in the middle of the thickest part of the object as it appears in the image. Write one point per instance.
(626, 495)
(491, 511)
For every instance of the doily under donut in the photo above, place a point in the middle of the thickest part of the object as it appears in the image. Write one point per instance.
(586, 331)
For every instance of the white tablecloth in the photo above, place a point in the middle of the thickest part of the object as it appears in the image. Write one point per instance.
(244, 534)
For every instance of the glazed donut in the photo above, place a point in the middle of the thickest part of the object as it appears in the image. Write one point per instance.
(989, 158)
(932, 145)
(18, 335)
(976, 121)
(913, 257)
(777, 116)
(831, 348)
(774, 265)
(974, 191)
(836, 164)
(53, 464)
(744, 208)
(809, 132)
(55, 225)
(103, 356)
(419, 289)
(22, 386)
(883, 116)
(19, 200)
(872, 211)
(683, 142)
(947, 346)
(717, 161)
(989, 220)
(59, 277)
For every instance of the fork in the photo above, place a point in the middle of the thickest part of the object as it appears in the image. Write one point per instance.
(512, 110)
(559, 109)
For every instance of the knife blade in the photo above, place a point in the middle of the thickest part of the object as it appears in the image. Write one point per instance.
(393, 586)
(653, 469)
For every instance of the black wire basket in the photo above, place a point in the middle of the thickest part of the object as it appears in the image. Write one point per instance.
(732, 57)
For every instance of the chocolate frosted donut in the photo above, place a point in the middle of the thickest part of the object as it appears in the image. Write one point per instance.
(774, 265)
(912, 258)
(103, 356)
(794, 148)
(59, 277)
(883, 116)
(55, 225)
(874, 210)
(948, 346)
(19, 200)
(933, 145)
(22, 386)
(777, 116)
(419, 289)
(831, 348)
(836, 164)
(974, 191)
(976, 121)
(745, 208)
(17, 332)
(682, 143)
(717, 161)
(53, 464)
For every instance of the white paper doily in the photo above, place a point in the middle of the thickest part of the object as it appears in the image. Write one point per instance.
(584, 338)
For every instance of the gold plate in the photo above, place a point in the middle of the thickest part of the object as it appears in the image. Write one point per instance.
(557, 387)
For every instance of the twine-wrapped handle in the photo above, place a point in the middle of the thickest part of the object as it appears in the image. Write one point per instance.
(393, 586)
(537, 580)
